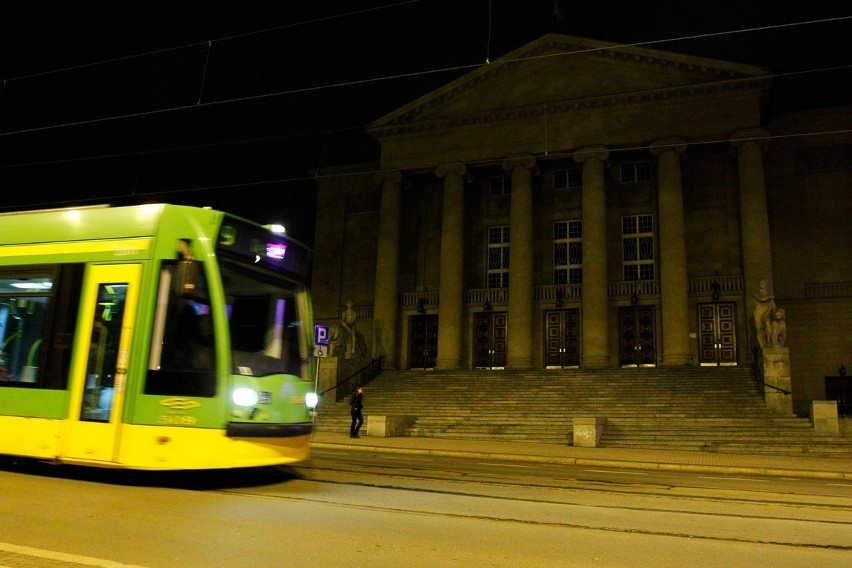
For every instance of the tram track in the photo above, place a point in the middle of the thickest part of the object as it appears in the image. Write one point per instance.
(753, 522)
(391, 477)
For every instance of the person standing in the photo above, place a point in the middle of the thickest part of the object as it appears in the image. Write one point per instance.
(356, 404)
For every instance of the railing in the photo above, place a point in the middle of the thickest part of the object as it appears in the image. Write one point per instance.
(491, 295)
(828, 290)
(413, 300)
(357, 379)
(552, 292)
(725, 284)
(627, 288)
(698, 286)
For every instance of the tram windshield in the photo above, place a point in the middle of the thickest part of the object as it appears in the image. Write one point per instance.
(264, 324)
(262, 315)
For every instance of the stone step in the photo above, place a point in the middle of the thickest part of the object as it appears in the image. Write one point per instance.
(708, 409)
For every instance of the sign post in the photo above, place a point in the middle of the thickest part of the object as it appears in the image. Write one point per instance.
(321, 341)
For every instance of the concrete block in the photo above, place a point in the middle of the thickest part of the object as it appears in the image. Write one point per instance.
(588, 431)
(824, 417)
(382, 426)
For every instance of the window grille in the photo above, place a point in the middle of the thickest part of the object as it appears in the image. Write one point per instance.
(500, 185)
(498, 257)
(572, 178)
(637, 246)
(635, 172)
(568, 252)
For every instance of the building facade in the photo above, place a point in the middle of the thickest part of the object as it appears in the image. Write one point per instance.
(578, 205)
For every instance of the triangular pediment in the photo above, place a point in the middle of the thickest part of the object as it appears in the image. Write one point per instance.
(565, 71)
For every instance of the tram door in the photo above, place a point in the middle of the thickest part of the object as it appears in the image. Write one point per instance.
(637, 336)
(562, 338)
(717, 335)
(423, 345)
(490, 346)
(99, 363)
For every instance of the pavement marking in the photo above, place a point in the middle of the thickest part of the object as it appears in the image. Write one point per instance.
(407, 457)
(75, 559)
(726, 478)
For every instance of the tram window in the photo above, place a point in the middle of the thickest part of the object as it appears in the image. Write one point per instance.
(103, 352)
(38, 313)
(182, 360)
(264, 325)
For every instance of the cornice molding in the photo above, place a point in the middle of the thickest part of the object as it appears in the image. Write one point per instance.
(712, 76)
(403, 124)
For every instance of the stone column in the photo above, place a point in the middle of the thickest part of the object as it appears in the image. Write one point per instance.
(673, 279)
(519, 320)
(385, 301)
(754, 218)
(595, 303)
(451, 285)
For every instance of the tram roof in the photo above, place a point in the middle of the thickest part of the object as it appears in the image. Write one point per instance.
(100, 222)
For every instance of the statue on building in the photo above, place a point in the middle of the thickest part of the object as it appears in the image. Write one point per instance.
(764, 305)
(777, 328)
(347, 325)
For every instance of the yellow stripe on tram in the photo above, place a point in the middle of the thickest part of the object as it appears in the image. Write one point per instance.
(124, 247)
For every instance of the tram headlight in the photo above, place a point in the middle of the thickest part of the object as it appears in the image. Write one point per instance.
(311, 400)
(245, 396)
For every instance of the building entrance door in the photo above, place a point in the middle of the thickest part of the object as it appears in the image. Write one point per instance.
(562, 338)
(490, 345)
(637, 334)
(423, 345)
(717, 334)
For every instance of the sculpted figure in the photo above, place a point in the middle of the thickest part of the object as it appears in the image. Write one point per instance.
(347, 322)
(764, 304)
(777, 328)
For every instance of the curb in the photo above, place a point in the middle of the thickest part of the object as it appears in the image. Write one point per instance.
(618, 464)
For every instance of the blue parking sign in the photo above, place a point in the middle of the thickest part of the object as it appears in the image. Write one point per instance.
(321, 336)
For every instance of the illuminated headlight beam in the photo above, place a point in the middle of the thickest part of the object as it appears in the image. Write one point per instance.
(311, 400)
(245, 396)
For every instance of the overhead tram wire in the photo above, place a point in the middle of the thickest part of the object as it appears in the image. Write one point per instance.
(294, 179)
(205, 42)
(317, 132)
(400, 75)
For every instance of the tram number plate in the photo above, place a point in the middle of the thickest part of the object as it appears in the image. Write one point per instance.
(179, 419)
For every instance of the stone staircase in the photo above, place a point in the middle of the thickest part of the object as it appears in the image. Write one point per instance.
(689, 408)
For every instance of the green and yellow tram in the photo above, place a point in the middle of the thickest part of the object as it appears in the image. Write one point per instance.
(155, 337)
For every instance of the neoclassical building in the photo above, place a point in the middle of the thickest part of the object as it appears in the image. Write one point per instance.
(578, 205)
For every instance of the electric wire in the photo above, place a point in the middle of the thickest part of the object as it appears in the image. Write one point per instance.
(328, 132)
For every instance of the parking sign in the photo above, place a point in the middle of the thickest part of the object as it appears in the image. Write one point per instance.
(321, 335)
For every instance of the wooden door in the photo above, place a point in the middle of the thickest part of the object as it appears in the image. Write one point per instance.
(717, 334)
(490, 343)
(423, 345)
(562, 338)
(637, 333)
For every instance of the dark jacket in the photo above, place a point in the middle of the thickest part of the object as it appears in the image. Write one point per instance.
(356, 401)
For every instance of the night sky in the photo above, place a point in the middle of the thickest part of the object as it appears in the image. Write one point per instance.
(233, 104)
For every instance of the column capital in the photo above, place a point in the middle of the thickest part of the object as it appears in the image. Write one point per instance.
(520, 161)
(455, 168)
(756, 135)
(394, 176)
(672, 144)
(600, 153)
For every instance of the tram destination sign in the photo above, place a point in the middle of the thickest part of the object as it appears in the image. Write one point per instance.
(260, 246)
